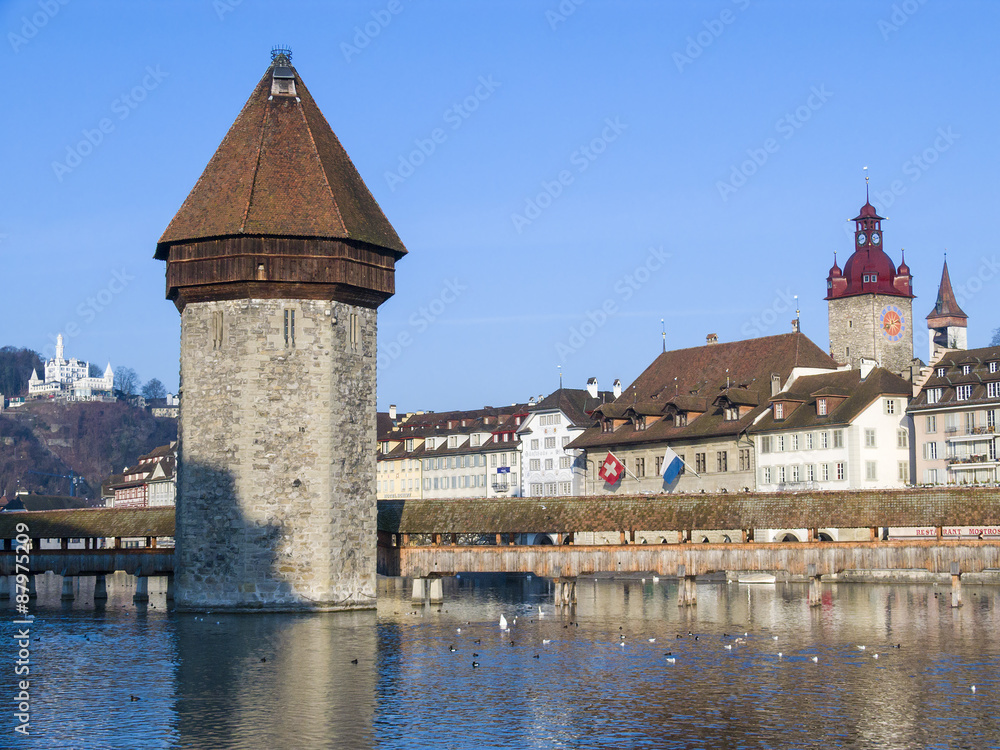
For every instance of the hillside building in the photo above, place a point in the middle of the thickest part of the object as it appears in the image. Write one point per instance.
(70, 379)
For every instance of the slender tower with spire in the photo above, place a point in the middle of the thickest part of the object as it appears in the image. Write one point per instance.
(277, 261)
(947, 324)
(870, 301)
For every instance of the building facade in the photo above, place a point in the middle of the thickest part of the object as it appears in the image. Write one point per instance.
(700, 402)
(956, 413)
(837, 431)
(70, 379)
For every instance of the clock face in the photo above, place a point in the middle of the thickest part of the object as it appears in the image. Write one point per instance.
(893, 323)
(861, 238)
(875, 238)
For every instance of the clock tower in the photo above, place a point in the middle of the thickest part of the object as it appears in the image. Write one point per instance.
(870, 301)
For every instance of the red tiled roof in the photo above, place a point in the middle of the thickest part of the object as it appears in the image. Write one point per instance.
(281, 171)
(698, 375)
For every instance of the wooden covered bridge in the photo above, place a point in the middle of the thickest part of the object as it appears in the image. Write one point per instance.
(433, 538)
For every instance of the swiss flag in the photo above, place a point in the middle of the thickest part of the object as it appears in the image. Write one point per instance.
(611, 470)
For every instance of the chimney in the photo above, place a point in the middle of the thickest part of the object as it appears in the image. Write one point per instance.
(712, 338)
(617, 387)
(531, 400)
(866, 366)
(592, 387)
(775, 384)
(392, 412)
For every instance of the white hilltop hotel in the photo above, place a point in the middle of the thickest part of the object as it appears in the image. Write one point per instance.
(70, 380)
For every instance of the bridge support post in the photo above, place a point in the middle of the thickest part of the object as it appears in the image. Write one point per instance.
(436, 591)
(141, 590)
(956, 585)
(67, 589)
(564, 592)
(815, 593)
(687, 592)
(100, 588)
(419, 591)
(170, 587)
(7, 587)
(32, 589)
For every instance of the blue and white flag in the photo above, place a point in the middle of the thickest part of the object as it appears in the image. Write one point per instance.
(672, 465)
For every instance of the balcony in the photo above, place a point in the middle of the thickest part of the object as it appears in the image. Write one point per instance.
(971, 434)
(974, 461)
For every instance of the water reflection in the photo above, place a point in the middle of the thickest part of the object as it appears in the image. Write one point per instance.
(243, 681)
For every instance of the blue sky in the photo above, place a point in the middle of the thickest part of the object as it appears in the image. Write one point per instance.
(598, 166)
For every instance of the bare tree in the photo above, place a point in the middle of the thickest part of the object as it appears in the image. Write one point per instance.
(996, 338)
(126, 382)
(154, 389)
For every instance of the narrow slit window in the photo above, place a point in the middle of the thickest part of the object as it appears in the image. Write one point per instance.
(289, 329)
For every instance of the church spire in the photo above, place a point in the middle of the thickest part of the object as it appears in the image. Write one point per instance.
(947, 322)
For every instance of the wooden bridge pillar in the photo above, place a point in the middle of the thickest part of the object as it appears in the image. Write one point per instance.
(170, 587)
(815, 592)
(100, 588)
(141, 590)
(956, 585)
(564, 592)
(687, 591)
(6, 586)
(32, 589)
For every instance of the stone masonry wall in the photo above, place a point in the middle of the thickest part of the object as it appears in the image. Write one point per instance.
(855, 325)
(276, 488)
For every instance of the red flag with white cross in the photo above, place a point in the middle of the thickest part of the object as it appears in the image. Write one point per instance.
(612, 469)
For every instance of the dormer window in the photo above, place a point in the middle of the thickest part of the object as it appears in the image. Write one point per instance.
(994, 366)
(409, 444)
(282, 81)
(941, 371)
(821, 407)
(474, 441)
(385, 446)
(681, 419)
(732, 413)
(453, 441)
(607, 426)
(779, 410)
(933, 395)
(966, 369)
(640, 423)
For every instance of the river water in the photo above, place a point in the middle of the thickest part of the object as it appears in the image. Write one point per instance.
(792, 677)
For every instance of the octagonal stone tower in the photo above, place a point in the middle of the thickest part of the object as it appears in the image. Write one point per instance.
(277, 262)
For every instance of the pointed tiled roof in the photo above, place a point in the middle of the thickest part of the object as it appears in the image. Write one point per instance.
(281, 171)
(946, 305)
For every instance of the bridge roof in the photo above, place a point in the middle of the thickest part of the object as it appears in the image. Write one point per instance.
(91, 522)
(920, 507)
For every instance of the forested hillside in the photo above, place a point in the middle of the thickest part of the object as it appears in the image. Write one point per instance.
(93, 439)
